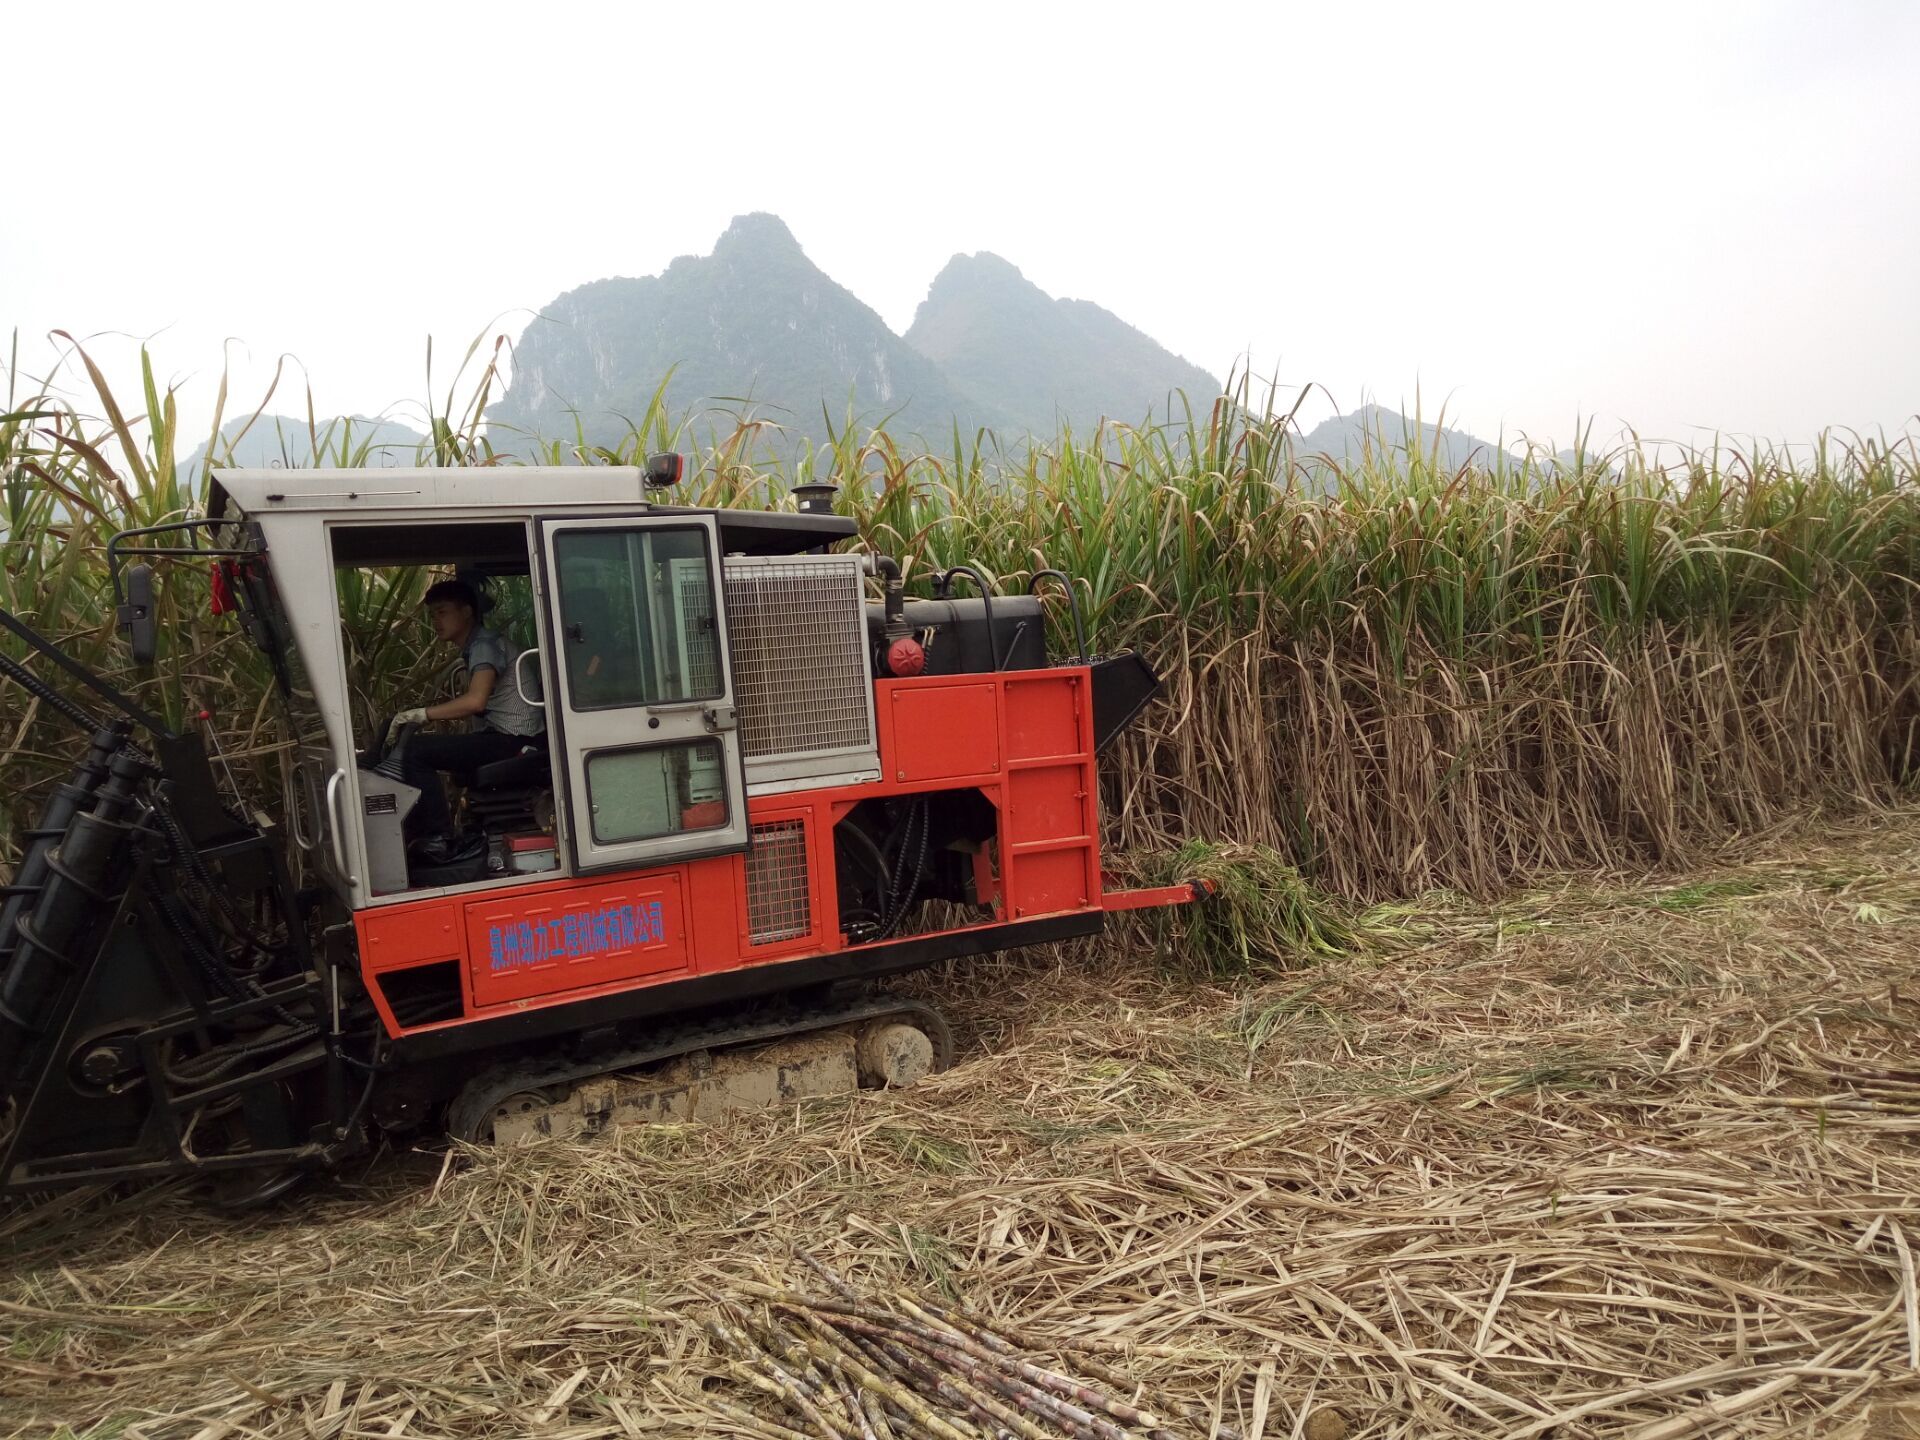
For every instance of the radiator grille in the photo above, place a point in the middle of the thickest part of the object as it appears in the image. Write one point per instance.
(797, 632)
(778, 907)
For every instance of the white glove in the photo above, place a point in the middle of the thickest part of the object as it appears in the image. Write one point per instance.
(415, 716)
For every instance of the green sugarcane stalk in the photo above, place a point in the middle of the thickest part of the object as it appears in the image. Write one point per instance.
(981, 1398)
(752, 1423)
(885, 1357)
(876, 1412)
(852, 1399)
(762, 1332)
(1006, 1339)
(983, 1404)
(1043, 1381)
(1005, 1336)
(1054, 1405)
(1124, 1411)
(1070, 1417)
(900, 1396)
(942, 1317)
(793, 1392)
(782, 1388)
(784, 1347)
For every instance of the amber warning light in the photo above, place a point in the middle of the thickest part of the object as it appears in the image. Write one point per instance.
(663, 471)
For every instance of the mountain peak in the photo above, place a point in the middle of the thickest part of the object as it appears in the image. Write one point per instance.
(756, 318)
(1007, 342)
(982, 265)
(758, 231)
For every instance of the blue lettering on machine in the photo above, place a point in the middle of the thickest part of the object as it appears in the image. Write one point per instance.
(576, 935)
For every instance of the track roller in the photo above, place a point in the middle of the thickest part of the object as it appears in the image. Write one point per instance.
(706, 1073)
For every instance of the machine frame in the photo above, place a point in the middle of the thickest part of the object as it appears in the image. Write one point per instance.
(347, 1011)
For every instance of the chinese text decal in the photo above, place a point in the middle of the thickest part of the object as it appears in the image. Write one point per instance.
(577, 935)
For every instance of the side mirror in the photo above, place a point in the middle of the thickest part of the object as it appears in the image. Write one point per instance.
(136, 614)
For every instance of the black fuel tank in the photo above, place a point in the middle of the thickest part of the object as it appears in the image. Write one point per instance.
(956, 638)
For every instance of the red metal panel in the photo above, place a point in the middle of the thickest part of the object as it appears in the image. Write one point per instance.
(1048, 881)
(399, 939)
(521, 946)
(1051, 851)
(942, 731)
(1044, 715)
(713, 895)
(417, 935)
(1049, 802)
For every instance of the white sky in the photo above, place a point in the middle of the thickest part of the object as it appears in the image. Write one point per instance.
(1670, 215)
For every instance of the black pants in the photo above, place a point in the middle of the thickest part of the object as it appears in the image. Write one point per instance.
(458, 755)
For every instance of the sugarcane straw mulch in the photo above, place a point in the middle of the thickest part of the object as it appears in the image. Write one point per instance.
(1627, 1159)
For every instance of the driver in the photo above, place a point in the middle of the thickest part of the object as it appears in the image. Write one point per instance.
(503, 722)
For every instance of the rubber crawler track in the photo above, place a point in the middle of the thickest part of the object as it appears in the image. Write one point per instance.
(470, 1116)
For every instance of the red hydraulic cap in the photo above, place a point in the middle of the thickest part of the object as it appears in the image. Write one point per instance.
(905, 657)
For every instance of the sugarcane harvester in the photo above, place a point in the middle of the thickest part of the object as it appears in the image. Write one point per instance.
(755, 792)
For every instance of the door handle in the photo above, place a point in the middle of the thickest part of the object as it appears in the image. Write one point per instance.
(336, 828)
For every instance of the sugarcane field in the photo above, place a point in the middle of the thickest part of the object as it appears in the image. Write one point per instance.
(809, 834)
(1530, 1055)
(1616, 1155)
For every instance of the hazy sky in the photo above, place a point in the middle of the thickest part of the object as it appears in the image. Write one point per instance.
(1673, 215)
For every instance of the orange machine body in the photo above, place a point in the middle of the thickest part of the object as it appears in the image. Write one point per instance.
(1024, 740)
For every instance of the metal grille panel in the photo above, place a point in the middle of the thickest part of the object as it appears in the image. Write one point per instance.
(779, 906)
(798, 635)
(696, 615)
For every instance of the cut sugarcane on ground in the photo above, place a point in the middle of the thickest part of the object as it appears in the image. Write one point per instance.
(1634, 1158)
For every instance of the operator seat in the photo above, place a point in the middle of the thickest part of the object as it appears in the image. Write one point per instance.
(505, 794)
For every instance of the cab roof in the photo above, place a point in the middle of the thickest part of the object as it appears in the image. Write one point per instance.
(501, 492)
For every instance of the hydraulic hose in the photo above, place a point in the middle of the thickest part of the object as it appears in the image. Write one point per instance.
(1073, 604)
(894, 587)
(900, 901)
(986, 603)
(45, 693)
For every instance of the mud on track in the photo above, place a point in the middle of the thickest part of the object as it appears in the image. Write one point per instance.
(1626, 1159)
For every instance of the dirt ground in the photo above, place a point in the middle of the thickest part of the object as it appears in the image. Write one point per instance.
(1635, 1159)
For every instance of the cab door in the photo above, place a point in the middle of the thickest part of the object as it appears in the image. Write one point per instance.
(645, 721)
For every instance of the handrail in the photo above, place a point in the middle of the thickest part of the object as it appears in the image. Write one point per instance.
(540, 704)
(336, 827)
(117, 549)
(290, 797)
